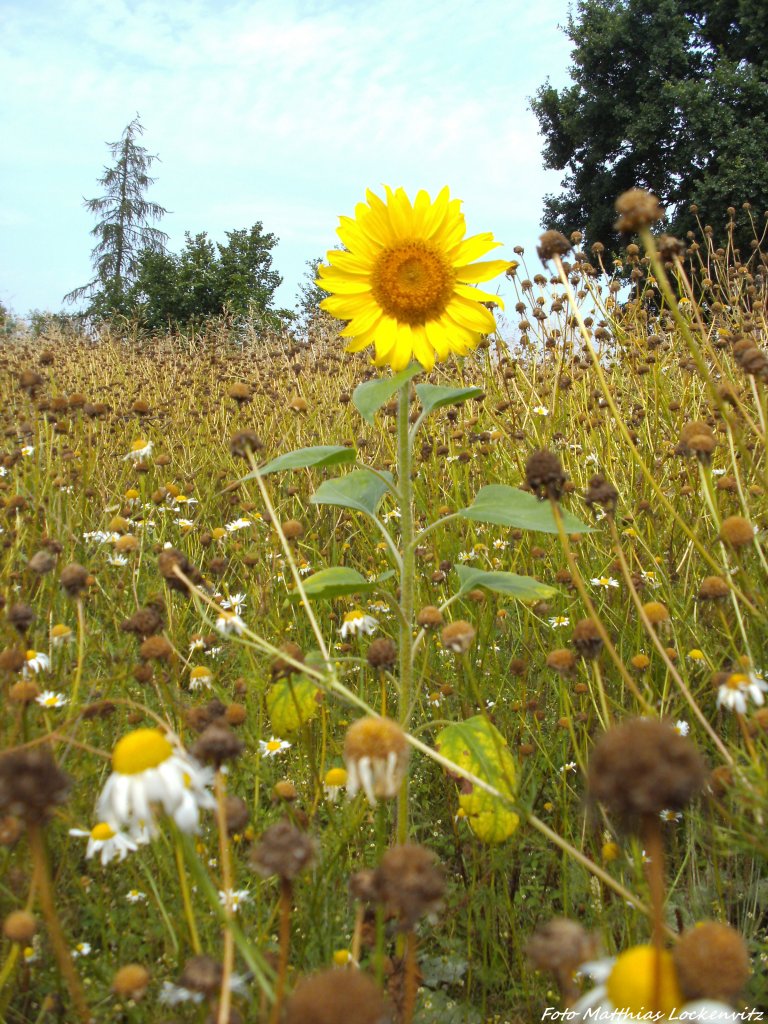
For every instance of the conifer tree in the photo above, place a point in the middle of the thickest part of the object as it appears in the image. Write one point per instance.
(124, 229)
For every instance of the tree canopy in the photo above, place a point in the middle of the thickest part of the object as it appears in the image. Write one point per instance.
(668, 95)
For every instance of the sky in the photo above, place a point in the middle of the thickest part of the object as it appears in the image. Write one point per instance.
(279, 111)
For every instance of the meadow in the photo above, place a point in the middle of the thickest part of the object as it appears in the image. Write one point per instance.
(166, 565)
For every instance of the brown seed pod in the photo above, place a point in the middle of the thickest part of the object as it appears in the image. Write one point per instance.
(637, 209)
(410, 882)
(337, 997)
(713, 588)
(284, 851)
(429, 617)
(20, 926)
(562, 661)
(74, 579)
(551, 244)
(131, 981)
(381, 653)
(601, 492)
(642, 767)
(712, 962)
(217, 743)
(31, 784)
(458, 636)
(586, 639)
(243, 442)
(544, 474)
(736, 531)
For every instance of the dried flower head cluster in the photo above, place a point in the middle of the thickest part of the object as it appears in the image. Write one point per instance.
(31, 784)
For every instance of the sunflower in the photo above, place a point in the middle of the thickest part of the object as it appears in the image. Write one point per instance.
(404, 279)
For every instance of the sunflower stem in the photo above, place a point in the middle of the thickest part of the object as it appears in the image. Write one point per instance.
(405, 486)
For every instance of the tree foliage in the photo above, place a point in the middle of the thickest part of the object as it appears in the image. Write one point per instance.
(205, 280)
(124, 230)
(669, 95)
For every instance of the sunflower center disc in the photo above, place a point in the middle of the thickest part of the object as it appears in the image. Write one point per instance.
(412, 281)
(139, 750)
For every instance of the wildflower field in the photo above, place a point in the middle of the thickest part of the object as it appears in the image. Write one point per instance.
(347, 693)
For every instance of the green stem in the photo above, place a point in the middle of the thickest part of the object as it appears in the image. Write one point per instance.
(405, 486)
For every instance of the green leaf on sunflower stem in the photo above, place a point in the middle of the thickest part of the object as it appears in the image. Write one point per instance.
(478, 747)
(509, 506)
(360, 490)
(434, 397)
(337, 582)
(369, 396)
(304, 458)
(523, 587)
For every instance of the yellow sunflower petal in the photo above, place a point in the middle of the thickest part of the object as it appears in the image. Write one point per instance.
(473, 248)
(474, 273)
(422, 350)
(366, 320)
(400, 212)
(353, 237)
(345, 307)
(466, 291)
(471, 315)
(434, 219)
(343, 284)
(351, 263)
(437, 336)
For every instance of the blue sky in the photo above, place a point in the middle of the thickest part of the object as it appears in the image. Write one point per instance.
(282, 111)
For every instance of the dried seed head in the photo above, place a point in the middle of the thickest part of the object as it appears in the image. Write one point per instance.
(670, 247)
(74, 579)
(284, 851)
(171, 559)
(637, 209)
(20, 926)
(713, 588)
(429, 617)
(237, 814)
(131, 981)
(280, 667)
(551, 244)
(642, 767)
(458, 636)
(337, 997)
(293, 529)
(562, 661)
(381, 653)
(243, 442)
(12, 659)
(544, 474)
(202, 974)
(601, 492)
(736, 531)
(156, 648)
(240, 393)
(656, 612)
(586, 639)
(145, 622)
(21, 617)
(560, 945)
(42, 562)
(410, 882)
(217, 744)
(31, 784)
(712, 962)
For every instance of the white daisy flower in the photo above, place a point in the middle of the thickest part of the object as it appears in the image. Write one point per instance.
(738, 689)
(228, 622)
(108, 841)
(236, 897)
(604, 581)
(357, 621)
(81, 949)
(200, 676)
(149, 769)
(559, 621)
(670, 816)
(51, 699)
(185, 524)
(136, 896)
(139, 449)
(238, 524)
(393, 513)
(333, 783)
(117, 560)
(273, 746)
(36, 662)
(682, 727)
(28, 449)
(172, 995)
(540, 410)
(61, 634)
(234, 602)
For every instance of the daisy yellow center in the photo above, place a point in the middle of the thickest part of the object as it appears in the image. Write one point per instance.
(138, 445)
(31, 655)
(355, 615)
(60, 630)
(200, 673)
(273, 745)
(639, 976)
(102, 831)
(336, 777)
(737, 681)
(412, 281)
(140, 750)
